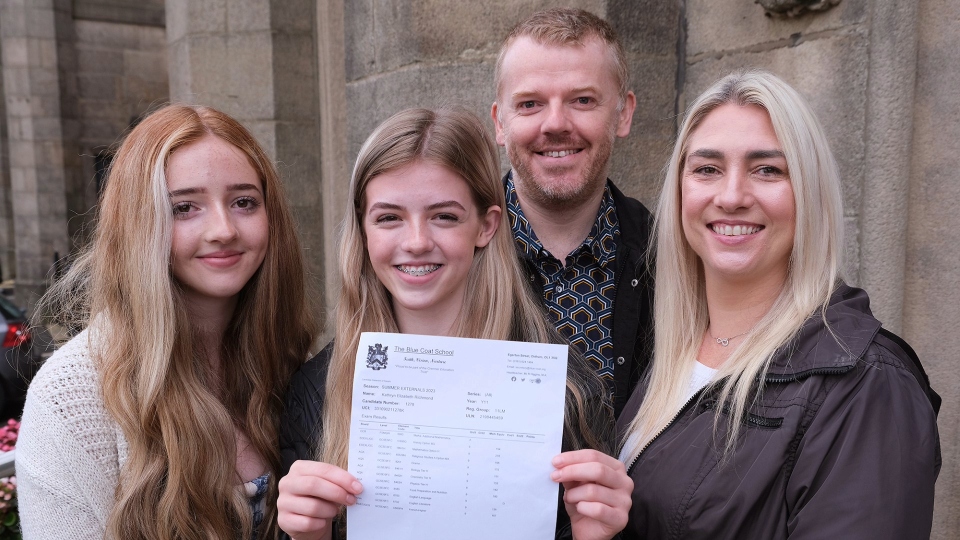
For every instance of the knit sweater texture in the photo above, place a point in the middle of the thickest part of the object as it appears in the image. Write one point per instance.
(69, 450)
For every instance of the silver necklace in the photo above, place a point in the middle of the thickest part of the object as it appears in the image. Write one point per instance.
(726, 341)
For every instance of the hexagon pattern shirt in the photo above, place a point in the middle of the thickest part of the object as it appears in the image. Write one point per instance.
(578, 294)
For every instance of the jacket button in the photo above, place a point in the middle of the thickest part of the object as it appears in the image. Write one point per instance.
(620, 359)
(634, 282)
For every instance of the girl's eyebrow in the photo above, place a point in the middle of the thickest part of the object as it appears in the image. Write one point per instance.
(196, 190)
(242, 187)
(434, 206)
(446, 204)
(385, 206)
(187, 191)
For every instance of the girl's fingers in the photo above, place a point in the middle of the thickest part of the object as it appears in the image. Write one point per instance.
(615, 518)
(585, 456)
(606, 474)
(307, 506)
(322, 481)
(315, 487)
(330, 473)
(311, 496)
(596, 493)
(300, 526)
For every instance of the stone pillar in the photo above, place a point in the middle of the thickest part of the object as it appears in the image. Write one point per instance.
(334, 171)
(651, 33)
(116, 66)
(886, 180)
(32, 99)
(931, 307)
(7, 260)
(256, 60)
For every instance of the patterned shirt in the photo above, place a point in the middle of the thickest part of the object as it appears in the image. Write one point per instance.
(256, 491)
(579, 296)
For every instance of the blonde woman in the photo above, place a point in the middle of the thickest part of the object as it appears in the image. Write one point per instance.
(426, 249)
(159, 419)
(777, 406)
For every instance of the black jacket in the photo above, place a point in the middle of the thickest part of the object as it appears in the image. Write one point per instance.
(842, 443)
(633, 301)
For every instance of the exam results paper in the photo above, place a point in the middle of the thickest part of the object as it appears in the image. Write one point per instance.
(453, 437)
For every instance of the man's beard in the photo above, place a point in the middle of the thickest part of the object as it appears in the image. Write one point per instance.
(545, 192)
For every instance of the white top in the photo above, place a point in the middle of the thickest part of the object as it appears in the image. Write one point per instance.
(701, 376)
(69, 449)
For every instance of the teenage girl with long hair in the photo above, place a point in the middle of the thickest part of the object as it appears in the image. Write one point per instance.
(159, 419)
(425, 248)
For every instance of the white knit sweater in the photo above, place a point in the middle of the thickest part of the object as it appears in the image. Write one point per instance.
(69, 450)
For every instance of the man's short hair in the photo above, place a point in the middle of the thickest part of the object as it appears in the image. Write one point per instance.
(568, 27)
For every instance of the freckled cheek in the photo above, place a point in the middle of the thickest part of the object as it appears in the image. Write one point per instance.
(377, 246)
(181, 243)
(260, 231)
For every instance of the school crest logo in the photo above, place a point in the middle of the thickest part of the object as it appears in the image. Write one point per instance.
(377, 357)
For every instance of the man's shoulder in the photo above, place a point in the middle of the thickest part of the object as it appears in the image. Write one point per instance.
(621, 199)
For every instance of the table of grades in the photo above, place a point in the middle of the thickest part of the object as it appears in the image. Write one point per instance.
(453, 437)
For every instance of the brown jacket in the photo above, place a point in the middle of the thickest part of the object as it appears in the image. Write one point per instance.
(842, 443)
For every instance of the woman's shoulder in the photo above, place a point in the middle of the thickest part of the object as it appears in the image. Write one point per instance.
(70, 371)
(879, 353)
(311, 378)
(888, 352)
(65, 403)
(884, 384)
(303, 409)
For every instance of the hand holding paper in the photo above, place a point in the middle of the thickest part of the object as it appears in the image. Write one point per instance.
(597, 493)
(311, 495)
(454, 437)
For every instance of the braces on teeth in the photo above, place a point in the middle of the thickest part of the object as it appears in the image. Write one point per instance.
(419, 271)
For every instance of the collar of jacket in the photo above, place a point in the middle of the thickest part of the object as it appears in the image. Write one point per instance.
(635, 226)
(635, 223)
(836, 345)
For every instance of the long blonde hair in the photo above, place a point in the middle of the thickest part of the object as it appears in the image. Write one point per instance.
(180, 480)
(498, 303)
(680, 305)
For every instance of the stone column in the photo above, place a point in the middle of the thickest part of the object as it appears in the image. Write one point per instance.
(7, 260)
(651, 33)
(334, 170)
(32, 99)
(886, 180)
(256, 60)
(931, 310)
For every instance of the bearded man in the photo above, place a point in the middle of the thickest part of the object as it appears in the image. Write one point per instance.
(562, 100)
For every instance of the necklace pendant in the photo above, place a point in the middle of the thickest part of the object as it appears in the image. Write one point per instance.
(723, 342)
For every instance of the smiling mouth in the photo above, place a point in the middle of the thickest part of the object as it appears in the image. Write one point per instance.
(736, 230)
(418, 271)
(560, 153)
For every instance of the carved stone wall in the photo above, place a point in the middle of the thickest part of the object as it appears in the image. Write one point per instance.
(257, 61)
(312, 78)
(75, 74)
